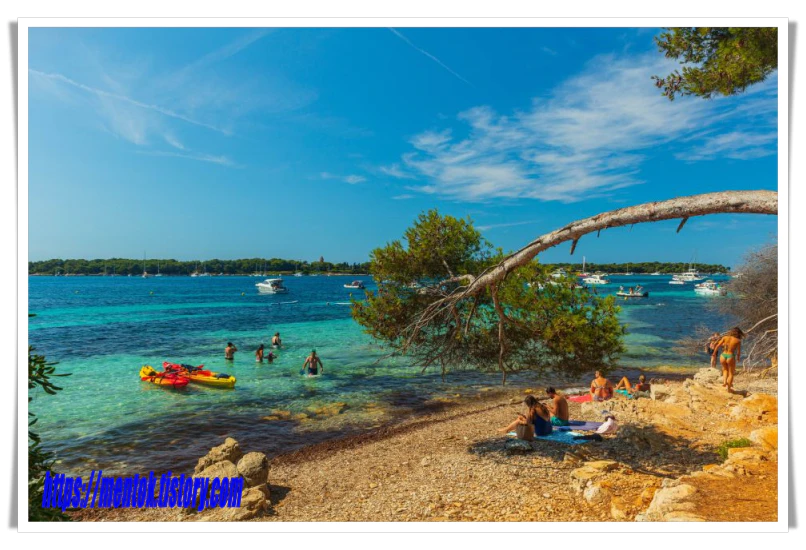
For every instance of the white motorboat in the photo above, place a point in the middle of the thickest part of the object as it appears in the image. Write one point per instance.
(710, 288)
(355, 285)
(676, 281)
(298, 274)
(634, 292)
(596, 279)
(271, 286)
(656, 273)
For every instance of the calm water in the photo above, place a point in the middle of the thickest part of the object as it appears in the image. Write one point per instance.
(103, 329)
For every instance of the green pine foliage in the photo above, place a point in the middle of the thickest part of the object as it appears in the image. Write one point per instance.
(550, 324)
(717, 60)
(40, 373)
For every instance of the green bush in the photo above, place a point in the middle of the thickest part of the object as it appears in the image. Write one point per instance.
(722, 450)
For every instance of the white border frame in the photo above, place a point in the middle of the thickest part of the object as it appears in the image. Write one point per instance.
(425, 527)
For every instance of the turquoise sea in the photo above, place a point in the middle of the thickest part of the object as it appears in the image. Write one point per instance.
(103, 329)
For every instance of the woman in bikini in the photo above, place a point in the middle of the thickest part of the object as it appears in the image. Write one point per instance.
(601, 388)
(625, 388)
(731, 345)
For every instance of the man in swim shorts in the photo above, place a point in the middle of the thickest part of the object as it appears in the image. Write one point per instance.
(558, 407)
(229, 351)
(313, 364)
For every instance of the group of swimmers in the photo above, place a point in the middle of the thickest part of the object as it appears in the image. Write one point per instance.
(260, 353)
(312, 366)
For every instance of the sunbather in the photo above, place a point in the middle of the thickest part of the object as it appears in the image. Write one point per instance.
(536, 421)
(639, 390)
(558, 407)
(601, 388)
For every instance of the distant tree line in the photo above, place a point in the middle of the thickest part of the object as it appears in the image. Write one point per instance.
(644, 267)
(246, 266)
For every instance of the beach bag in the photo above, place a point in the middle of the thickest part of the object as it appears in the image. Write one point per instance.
(525, 431)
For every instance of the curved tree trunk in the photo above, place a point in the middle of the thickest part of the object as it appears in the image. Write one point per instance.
(683, 208)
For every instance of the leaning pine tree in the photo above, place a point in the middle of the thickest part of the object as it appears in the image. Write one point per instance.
(528, 320)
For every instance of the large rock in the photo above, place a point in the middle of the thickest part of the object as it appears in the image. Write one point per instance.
(660, 392)
(222, 469)
(254, 468)
(518, 447)
(596, 494)
(759, 406)
(254, 502)
(708, 376)
(766, 437)
(229, 450)
(668, 501)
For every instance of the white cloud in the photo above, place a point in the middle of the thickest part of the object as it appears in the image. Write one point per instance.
(396, 172)
(587, 138)
(403, 197)
(352, 179)
(215, 159)
(511, 224)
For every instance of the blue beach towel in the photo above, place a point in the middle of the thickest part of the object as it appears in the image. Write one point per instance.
(566, 437)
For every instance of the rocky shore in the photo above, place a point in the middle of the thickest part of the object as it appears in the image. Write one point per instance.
(693, 452)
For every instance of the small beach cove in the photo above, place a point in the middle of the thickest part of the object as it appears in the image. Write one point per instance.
(451, 465)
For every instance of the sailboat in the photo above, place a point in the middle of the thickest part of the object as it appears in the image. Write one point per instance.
(145, 273)
(584, 273)
(158, 270)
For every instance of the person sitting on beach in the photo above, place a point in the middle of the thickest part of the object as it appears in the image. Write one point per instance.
(731, 345)
(641, 389)
(536, 421)
(709, 347)
(275, 340)
(558, 408)
(313, 364)
(229, 351)
(259, 354)
(601, 388)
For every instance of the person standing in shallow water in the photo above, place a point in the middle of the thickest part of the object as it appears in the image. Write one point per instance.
(229, 351)
(275, 340)
(259, 354)
(731, 345)
(313, 365)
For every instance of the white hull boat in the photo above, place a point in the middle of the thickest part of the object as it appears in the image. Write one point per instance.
(271, 286)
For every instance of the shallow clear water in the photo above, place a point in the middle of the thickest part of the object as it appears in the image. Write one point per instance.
(103, 329)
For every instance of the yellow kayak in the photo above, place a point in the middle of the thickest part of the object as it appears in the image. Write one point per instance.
(199, 376)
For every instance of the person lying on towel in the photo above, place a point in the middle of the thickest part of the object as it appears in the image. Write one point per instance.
(558, 407)
(609, 426)
(536, 421)
(641, 389)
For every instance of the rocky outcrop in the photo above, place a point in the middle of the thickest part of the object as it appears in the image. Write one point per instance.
(518, 447)
(229, 450)
(766, 437)
(672, 502)
(254, 469)
(228, 461)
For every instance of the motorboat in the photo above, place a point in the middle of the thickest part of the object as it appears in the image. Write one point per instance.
(596, 279)
(656, 273)
(710, 288)
(634, 292)
(298, 274)
(676, 281)
(355, 285)
(271, 286)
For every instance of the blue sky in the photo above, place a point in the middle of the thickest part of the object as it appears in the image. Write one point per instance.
(296, 143)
